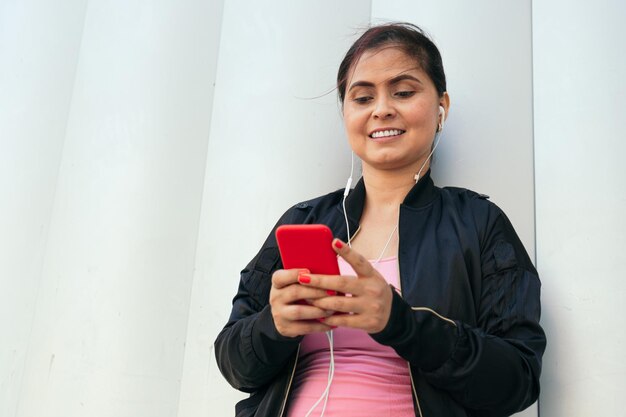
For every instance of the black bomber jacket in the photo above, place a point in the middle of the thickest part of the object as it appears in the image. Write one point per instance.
(467, 319)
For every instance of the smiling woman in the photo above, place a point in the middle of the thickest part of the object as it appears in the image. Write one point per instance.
(443, 312)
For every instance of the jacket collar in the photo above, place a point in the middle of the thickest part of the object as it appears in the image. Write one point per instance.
(422, 194)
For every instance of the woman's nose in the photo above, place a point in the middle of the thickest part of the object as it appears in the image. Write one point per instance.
(384, 109)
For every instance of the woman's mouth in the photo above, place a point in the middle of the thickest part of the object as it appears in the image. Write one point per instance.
(386, 133)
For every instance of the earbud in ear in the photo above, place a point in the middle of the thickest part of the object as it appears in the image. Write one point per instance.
(442, 118)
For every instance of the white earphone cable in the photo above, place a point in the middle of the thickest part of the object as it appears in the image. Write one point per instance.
(437, 140)
(345, 194)
(442, 115)
(331, 374)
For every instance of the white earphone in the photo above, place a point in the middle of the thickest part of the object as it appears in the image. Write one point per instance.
(442, 118)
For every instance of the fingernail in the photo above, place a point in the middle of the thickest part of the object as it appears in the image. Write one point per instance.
(333, 327)
(303, 271)
(338, 244)
(304, 278)
(331, 292)
(321, 319)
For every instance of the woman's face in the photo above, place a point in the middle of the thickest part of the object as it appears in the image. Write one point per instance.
(391, 110)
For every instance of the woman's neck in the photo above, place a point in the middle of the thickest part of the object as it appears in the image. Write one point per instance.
(387, 189)
(378, 236)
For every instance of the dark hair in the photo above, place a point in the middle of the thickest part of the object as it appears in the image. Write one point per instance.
(406, 36)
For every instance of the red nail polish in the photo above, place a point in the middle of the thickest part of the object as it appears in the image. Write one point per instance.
(333, 327)
(321, 319)
(331, 292)
(304, 278)
(338, 244)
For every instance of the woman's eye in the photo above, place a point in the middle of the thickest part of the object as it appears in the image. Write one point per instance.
(405, 93)
(362, 100)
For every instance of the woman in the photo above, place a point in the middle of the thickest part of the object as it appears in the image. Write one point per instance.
(443, 318)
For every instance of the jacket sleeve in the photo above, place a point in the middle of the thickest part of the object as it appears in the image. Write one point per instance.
(492, 368)
(249, 350)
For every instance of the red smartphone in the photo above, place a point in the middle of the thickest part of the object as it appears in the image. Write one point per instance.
(307, 246)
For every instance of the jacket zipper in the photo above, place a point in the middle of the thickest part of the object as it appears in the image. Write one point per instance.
(293, 372)
(417, 400)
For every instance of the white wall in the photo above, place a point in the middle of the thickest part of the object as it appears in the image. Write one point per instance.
(131, 133)
(579, 67)
(107, 331)
(39, 44)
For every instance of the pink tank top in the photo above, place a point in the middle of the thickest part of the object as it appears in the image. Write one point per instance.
(370, 379)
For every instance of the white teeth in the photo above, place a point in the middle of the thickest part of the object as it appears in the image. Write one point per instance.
(386, 133)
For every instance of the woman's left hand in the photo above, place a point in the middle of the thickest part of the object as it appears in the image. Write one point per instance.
(370, 302)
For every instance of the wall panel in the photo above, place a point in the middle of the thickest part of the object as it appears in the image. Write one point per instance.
(110, 321)
(579, 68)
(273, 143)
(39, 45)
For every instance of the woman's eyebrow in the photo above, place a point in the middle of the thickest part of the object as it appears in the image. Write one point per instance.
(391, 81)
(360, 84)
(402, 77)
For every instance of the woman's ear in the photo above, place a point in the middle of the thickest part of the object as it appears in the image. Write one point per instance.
(444, 102)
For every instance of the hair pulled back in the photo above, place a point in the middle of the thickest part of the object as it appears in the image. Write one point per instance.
(407, 37)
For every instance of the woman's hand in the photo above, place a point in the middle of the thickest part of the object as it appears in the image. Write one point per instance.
(370, 303)
(292, 316)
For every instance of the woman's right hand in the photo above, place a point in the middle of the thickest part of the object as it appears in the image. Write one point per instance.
(292, 317)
